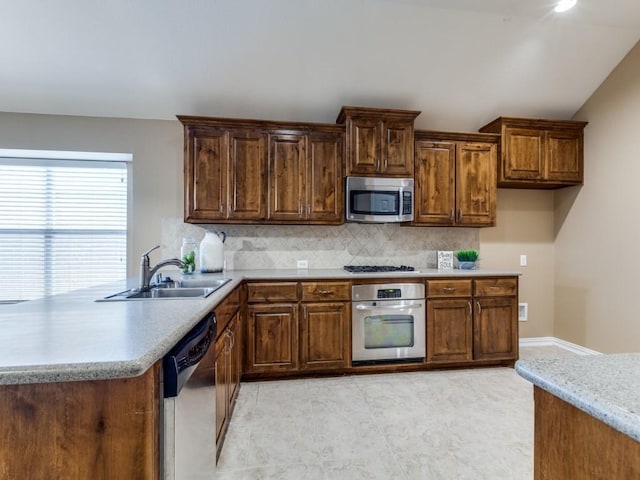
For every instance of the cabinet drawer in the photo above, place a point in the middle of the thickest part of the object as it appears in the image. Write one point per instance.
(272, 292)
(319, 291)
(496, 287)
(449, 288)
(226, 309)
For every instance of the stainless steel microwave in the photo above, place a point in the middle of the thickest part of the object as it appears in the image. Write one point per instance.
(379, 200)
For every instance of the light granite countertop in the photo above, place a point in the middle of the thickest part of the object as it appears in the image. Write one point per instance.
(606, 387)
(72, 337)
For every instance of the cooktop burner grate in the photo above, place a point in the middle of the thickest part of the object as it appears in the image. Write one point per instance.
(377, 268)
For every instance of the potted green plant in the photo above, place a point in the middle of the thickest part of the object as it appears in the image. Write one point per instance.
(467, 259)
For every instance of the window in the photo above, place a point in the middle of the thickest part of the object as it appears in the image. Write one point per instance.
(63, 221)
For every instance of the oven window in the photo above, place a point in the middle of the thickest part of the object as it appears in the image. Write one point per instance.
(375, 202)
(388, 331)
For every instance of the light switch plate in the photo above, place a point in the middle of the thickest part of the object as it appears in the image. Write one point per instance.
(523, 260)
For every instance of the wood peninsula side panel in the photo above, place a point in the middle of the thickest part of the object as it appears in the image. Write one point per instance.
(102, 429)
(571, 444)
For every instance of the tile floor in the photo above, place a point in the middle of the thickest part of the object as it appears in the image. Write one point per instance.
(446, 425)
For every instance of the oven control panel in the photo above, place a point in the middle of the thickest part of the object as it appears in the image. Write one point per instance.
(390, 293)
(387, 291)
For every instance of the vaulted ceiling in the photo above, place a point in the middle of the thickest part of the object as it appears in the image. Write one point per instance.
(462, 62)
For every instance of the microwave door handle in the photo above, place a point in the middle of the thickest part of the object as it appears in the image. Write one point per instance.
(388, 307)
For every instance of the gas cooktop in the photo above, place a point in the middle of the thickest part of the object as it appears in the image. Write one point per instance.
(377, 268)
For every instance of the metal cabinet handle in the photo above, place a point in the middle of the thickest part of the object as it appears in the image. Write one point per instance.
(325, 292)
(494, 287)
(479, 307)
(221, 209)
(470, 308)
(448, 289)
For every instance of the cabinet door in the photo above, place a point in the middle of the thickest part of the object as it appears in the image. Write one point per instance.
(364, 136)
(476, 185)
(397, 147)
(205, 174)
(324, 178)
(523, 155)
(495, 328)
(449, 330)
(248, 175)
(324, 335)
(235, 357)
(271, 338)
(434, 183)
(564, 157)
(222, 381)
(287, 161)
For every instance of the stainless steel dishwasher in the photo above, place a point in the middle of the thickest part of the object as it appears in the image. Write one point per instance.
(188, 446)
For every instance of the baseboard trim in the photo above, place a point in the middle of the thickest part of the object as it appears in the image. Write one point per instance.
(557, 342)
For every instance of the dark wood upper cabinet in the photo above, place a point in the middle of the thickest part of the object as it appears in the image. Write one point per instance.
(287, 160)
(539, 153)
(306, 176)
(324, 176)
(225, 172)
(379, 141)
(252, 171)
(455, 179)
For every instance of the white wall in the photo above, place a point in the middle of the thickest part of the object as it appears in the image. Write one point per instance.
(598, 225)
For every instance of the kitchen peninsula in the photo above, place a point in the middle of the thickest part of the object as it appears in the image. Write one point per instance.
(587, 416)
(82, 378)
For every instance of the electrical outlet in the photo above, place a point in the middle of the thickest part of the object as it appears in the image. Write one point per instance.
(523, 311)
(523, 260)
(303, 263)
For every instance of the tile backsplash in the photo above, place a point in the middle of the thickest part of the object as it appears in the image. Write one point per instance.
(280, 246)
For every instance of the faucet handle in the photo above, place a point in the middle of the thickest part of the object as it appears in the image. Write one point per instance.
(146, 254)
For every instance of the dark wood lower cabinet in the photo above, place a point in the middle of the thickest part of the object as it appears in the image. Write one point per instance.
(495, 335)
(324, 335)
(228, 372)
(271, 338)
(449, 330)
(472, 321)
(102, 430)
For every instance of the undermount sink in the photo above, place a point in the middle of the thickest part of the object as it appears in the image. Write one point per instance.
(173, 293)
(202, 282)
(200, 288)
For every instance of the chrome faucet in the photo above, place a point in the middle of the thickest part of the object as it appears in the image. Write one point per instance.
(146, 272)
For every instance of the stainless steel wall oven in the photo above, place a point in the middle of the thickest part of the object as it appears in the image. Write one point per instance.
(388, 323)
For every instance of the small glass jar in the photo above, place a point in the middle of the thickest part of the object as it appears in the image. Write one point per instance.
(188, 254)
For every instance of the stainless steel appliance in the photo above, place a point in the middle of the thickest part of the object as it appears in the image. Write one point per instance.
(379, 200)
(388, 323)
(189, 406)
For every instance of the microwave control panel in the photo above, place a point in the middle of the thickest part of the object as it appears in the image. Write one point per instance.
(407, 203)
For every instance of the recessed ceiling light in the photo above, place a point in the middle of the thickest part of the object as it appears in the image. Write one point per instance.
(564, 5)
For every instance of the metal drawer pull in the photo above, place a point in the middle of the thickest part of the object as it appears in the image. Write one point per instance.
(479, 307)
(325, 292)
(470, 308)
(495, 288)
(448, 289)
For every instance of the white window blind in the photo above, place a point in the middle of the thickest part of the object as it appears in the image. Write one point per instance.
(63, 224)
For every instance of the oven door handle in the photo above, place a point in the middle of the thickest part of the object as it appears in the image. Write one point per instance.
(388, 307)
